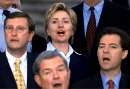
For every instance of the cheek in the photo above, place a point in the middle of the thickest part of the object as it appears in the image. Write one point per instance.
(64, 76)
(51, 27)
(70, 32)
(47, 80)
(116, 54)
(99, 53)
(50, 31)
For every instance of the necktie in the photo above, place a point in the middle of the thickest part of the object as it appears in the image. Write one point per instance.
(91, 28)
(110, 84)
(6, 12)
(18, 75)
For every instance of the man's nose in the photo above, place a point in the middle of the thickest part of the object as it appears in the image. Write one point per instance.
(55, 75)
(106, 49)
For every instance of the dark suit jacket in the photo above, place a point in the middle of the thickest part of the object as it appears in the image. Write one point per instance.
(7, 80)
(123, 3)
(79, 68)
(38, 44)
(111, 15)
(95, 82)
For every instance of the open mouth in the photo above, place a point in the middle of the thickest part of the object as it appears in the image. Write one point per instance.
(57, 85)
(61, 32)
(13, 40)
(106, 59)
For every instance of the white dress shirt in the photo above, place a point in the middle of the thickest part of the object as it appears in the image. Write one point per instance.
(23, 65)
(67, 56)
(87, 12)
(116, 81)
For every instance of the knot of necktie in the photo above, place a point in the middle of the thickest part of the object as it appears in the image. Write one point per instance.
(17, 64)
(91, 8)
(6, 12)
(110, 84)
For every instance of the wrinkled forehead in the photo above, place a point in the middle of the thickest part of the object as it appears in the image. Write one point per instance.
(52, 63)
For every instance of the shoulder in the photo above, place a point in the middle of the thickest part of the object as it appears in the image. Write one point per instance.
(2, 56)
(11, 9)
(31, 56)
(89, 83)
(77, 7)
(78, 55)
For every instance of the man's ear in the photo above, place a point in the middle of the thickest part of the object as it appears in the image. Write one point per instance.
(31, 36)
(124, 55)
(37, 79)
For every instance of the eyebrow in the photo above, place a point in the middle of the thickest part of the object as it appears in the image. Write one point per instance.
(62, 18)
(62, 65)
(110, 44)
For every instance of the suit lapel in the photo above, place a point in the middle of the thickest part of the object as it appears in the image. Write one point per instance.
(124, 82)
(30, 75)
(7, 72)
(29, 70)
(98, 80)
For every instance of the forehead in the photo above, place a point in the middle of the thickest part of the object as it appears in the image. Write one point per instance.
(17, 20)
(52, 63)
(110, 38)
(60, 14)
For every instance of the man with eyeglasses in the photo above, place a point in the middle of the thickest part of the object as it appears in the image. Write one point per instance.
(19, 30)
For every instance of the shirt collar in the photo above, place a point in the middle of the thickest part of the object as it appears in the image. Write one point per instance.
(11, 57)
(11, 9)
(51, 47)
(1, 9)
(116, 79)
(98, 7)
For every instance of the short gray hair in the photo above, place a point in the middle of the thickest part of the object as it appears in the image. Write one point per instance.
(47, 55)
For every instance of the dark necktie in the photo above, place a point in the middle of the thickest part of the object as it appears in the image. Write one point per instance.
(91, 28)
(6, 12)
(110, 84)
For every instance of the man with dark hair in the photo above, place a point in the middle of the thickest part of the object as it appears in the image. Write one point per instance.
(113, 44)
(16, 62)
(5, 9)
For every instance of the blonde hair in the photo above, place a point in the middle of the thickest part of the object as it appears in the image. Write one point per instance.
(60, 7)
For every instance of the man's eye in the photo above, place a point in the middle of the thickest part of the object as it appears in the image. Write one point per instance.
(8, 28)
(61, 69)
(100, 46)
(21, 28)
(47, 73)
(113, 46)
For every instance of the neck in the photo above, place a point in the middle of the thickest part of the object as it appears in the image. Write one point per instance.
(92, 3)
(16, 53)
(111, 74)
(64, 47)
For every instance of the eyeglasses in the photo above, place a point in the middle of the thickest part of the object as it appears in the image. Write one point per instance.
(18, 29)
